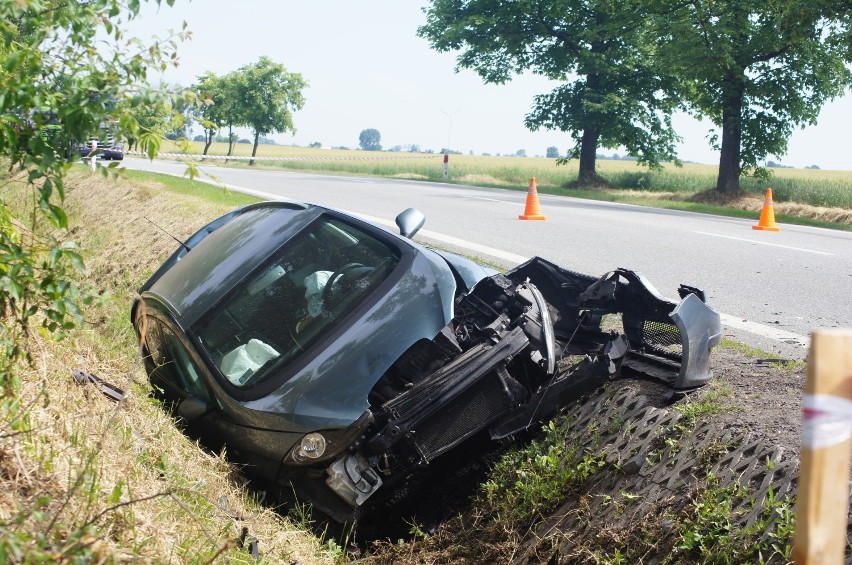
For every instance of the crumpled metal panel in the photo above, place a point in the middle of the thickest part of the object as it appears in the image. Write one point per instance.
(700, 329)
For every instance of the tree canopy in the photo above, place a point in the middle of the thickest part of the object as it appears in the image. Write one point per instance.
(757, 70)
(66, 68)
(267, 96)
(261, 96)
(370, 140)
(612, 93)
(218, 108)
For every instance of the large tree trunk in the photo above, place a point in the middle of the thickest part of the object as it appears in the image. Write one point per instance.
(729, 162)
(230, 139)
(254, 149)
(588, 157)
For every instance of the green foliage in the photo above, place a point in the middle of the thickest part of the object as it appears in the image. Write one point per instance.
(164, 115)
(711, 400)
(370, 140)
(710, 531)
(612, 91)
(19, 545)
(772, 359)
(218, 104)
(533, 479)
(757, 70)
(268, 95)
(57, 87)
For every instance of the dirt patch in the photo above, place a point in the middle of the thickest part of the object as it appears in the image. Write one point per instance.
(592, 182)
(758, 395)
(754, 202)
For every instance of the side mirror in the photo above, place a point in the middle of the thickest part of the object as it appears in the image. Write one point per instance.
(410, 221)
(193, 408)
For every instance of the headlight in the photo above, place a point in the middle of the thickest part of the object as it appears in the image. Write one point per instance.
(316, 447)
(312, 447)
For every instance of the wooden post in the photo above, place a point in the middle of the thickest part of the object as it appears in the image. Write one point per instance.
(823, 498)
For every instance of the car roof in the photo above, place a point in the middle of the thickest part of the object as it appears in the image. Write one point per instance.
(203, 275)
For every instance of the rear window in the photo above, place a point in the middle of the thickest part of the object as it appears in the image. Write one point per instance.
(301, 294)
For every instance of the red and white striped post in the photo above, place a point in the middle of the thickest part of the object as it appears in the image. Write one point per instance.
(446, 166)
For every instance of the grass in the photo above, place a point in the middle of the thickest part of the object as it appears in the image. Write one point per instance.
(533, 479)
(86, 479)
(539, 503)
(814, 188)
(772, 359)
(710, 533)
(221, 197)
(711, 400)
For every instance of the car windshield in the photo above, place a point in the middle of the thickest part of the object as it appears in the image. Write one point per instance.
(310, 284)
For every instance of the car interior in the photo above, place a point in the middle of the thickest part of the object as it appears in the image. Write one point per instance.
(310, 284)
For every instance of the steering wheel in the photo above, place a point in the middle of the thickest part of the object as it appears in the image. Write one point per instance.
(327, 292)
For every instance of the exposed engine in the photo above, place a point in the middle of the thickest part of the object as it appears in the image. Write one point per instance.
(520, 346)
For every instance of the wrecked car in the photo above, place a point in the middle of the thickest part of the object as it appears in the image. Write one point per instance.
(332, 355)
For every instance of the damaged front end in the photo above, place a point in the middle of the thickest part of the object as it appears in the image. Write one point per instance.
(520, 346)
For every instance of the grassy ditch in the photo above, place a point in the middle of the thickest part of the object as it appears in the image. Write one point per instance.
(570, 497)
(86, 479)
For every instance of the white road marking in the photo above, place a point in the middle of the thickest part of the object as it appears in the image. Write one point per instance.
(764, 243)
(763, 330)
(450, 240)
(490, 200)
(756, 328)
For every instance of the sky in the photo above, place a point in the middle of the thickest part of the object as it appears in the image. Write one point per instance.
(366, 68)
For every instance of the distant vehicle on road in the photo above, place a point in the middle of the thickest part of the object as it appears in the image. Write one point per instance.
(106, 146)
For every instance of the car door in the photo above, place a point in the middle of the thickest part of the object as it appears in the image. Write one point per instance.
(176, 375)
(173, 372)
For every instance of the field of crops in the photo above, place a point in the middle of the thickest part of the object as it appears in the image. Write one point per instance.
(806, 186)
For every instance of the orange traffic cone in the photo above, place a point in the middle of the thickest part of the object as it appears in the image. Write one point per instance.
(767, 215)
(533, 210)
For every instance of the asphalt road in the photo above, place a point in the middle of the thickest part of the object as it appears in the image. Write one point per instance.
(772, 288)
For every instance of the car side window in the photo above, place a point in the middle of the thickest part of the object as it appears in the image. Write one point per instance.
(172, 364)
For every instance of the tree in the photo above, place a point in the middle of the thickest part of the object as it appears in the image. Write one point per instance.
(756, 69)
(267, 96)
(162, 117)
(218, 107)
(552, 152)
(181, 111)
(64, 64)
(370, 140)
(613, 93)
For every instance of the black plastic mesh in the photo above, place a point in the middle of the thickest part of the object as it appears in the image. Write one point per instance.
(464, 416)
(662, 336)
